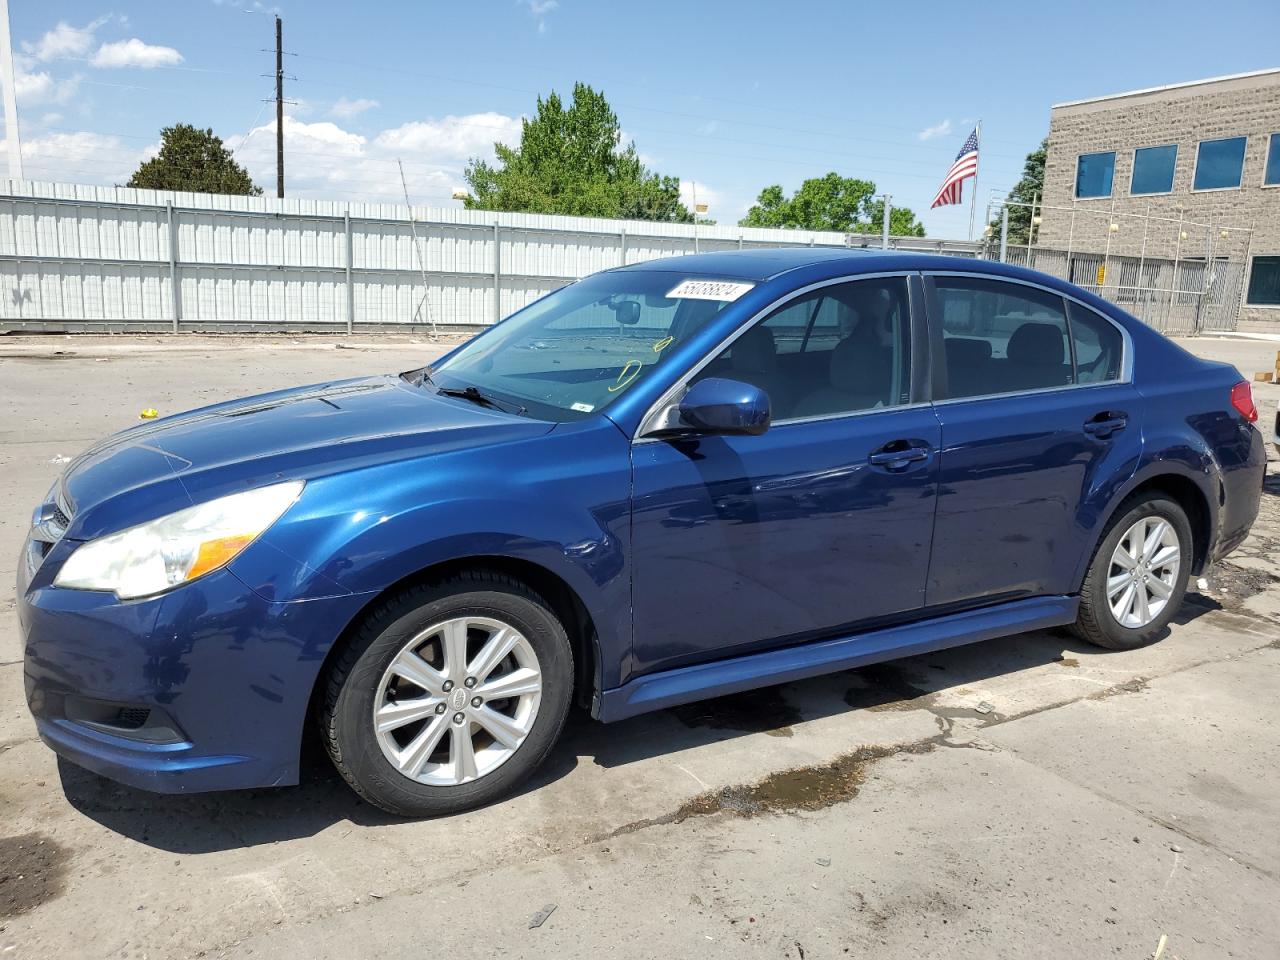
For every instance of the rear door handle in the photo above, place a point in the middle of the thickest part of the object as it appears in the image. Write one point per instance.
(1105, 424)
(898, 455)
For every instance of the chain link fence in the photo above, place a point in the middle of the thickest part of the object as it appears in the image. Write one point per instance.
(1181, 277)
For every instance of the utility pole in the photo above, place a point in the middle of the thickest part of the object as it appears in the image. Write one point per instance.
(279, 111)
(12, 144)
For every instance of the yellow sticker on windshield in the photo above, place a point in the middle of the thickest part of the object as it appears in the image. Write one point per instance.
(628, 373)
(663, 344)
(722, 290)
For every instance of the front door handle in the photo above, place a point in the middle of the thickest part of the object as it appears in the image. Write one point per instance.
(898, 455)
(1105, 424)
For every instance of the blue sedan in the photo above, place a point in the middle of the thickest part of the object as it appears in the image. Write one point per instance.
(665, 482)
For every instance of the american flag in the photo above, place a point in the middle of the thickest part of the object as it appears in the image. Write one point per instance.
(966, 166)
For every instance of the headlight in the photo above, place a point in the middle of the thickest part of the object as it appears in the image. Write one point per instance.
(154, 556)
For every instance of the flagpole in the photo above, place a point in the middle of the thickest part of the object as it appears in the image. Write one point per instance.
(973, 196)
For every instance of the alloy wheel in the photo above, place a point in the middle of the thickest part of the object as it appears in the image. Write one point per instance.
(1143, 572)
(457, 700)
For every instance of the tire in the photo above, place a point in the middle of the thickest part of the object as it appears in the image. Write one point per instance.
(1097, 621)
(420, 764)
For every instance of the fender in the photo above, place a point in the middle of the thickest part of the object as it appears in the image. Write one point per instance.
(360, 532)
(1181, 455)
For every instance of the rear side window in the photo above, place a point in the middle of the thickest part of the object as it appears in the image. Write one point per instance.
(1098, 345)
(1002, 337)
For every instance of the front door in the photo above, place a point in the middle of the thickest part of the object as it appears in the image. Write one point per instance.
(821, 523)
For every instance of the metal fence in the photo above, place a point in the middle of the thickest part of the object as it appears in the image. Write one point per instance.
(112, 258)
(1177, 275)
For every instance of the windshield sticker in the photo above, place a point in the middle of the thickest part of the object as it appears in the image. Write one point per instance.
(663, 344)
(581, 407)
(708, 290)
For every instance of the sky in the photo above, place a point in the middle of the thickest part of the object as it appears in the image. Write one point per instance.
(728, 95)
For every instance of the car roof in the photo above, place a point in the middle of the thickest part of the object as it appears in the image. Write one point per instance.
(765, 264)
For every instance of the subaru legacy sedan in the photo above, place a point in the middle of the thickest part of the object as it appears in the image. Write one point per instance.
(670, 481)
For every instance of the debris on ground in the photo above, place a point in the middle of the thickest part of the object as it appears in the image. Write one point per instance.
(985, 708)
(539, 918)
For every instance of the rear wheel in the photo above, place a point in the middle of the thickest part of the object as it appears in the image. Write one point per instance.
(449, 695)
(1138, 576)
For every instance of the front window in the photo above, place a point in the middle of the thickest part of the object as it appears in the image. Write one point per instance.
(1219, 164)
(575, 351)
(1153, 169)
(1094, 174)
(839, 349)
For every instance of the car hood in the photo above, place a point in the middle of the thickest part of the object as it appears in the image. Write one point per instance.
(165, 465)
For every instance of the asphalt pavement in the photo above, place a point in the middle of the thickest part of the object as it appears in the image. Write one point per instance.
(1028, 797)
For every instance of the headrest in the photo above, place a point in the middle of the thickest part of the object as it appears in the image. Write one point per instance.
(754, 351)
(860, 367)
(966, 351)
(1037, 344)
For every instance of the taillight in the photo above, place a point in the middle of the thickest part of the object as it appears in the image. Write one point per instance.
(1242, 400)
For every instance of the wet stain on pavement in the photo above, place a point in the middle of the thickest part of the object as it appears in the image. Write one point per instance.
(756, 711)
(32, 871)
(788, 791)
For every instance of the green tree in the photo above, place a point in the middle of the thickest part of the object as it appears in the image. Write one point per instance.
(196, 160)
(832, 202)
(571, 161)
(1025, 191)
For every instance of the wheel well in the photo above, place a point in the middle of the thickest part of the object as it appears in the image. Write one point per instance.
(1187, 495)
(565, 604)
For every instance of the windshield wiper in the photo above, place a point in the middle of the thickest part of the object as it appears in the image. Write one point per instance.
(472, 393)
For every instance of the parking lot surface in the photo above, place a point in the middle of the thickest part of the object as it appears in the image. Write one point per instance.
(1029, 797)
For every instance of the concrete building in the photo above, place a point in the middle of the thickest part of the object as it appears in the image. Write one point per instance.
(1185, 174)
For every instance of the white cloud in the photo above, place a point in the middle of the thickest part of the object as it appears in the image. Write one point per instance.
(81, 157)
(451, 139)
(345, 109)
(539, 9)
(64, 40)
(937, 130)
(325, 161)
(42, 86)
(135, 53)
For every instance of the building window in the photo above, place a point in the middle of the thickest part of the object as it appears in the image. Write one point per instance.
(1264, 282)
(1219, 163)
(1153, 169)
(1272, 176)
(1094, 173)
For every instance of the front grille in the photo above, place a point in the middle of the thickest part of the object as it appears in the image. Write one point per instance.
(59, 517)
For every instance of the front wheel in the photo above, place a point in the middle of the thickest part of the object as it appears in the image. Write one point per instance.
(1138, 575)
(449, 695)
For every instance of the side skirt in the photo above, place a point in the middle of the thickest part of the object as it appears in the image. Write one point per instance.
(701, 681)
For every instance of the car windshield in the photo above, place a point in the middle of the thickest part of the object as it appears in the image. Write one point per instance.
(575, 351)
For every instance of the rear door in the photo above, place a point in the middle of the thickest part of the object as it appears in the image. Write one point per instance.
(1039, 423)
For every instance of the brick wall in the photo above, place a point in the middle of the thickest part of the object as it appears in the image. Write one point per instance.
(1184, 116)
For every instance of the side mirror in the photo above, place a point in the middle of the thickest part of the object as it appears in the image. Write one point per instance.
(716, 405)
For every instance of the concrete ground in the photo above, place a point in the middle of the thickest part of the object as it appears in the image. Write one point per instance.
(1028, 797)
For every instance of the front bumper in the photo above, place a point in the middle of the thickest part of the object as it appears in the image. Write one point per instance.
(230, 673)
